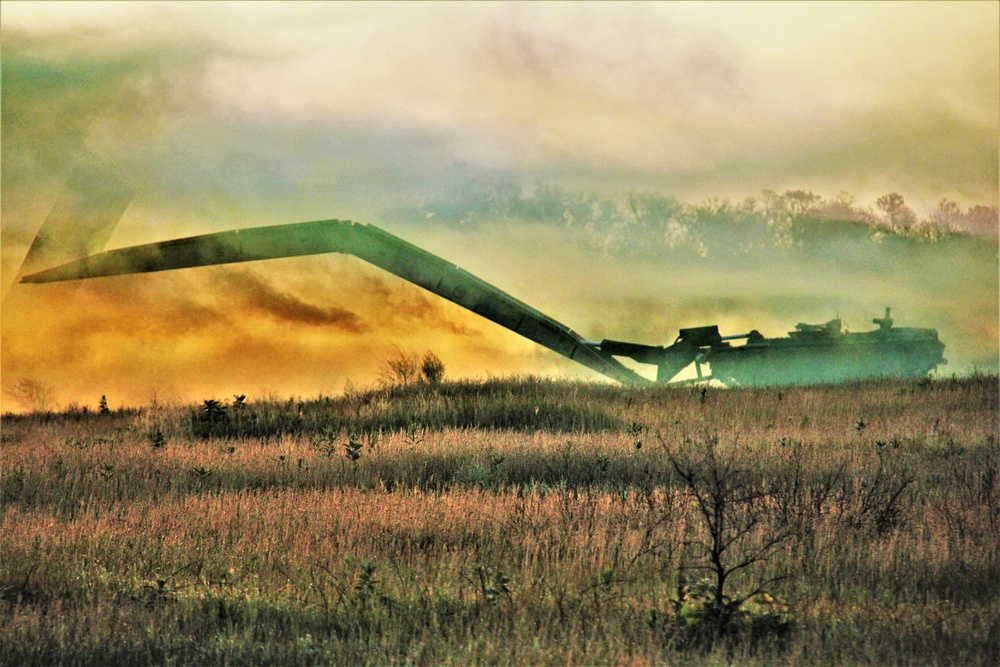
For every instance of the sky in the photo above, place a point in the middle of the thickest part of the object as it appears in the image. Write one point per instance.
(221, 115)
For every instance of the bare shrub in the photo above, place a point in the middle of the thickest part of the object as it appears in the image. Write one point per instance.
(875, 500)
(32, 394)
(736, 530)
(971, 504)
(400, 369)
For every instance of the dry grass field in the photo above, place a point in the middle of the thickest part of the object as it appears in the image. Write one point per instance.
(515, 521)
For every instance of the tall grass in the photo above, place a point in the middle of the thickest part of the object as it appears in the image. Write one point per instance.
(525, 405)
(558, 536)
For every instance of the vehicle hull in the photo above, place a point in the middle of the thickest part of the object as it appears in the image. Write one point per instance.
(897, 353)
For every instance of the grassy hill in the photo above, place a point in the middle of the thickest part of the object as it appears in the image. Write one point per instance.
(510, 521)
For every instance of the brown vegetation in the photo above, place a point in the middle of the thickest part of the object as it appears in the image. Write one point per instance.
(510, 521)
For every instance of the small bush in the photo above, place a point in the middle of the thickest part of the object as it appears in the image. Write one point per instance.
(432, 368)
(702, 618)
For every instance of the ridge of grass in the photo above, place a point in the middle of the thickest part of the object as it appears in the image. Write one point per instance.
(862, 524)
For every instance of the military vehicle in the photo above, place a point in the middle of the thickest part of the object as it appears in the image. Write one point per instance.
(809, 354)
(812, 354)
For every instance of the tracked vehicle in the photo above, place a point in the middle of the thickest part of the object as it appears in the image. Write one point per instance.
(810, 354)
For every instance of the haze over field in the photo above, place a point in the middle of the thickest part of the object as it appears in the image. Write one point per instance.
(420, 117)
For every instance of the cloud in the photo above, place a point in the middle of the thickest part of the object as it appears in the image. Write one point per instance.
(266, 105)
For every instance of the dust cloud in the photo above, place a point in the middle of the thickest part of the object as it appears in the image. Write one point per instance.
(538, 146)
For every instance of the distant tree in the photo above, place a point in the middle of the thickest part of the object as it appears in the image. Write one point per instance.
(845, 200)
(501, 200)
(842, 208)
(950, 217)
(547, 205)
(779, 216)
(947, 217)
(32, 394)
(983, 220)
(898, 215)
(800, 202)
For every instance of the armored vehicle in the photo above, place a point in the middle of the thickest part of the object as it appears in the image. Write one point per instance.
(813, 353)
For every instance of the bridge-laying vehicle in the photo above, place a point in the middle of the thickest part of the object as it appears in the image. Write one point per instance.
(809, 354)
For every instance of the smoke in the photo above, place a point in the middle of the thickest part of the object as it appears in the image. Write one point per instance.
(236, 115)
(307, 324)
(251, 293)
(297, 326)
(607, 280)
